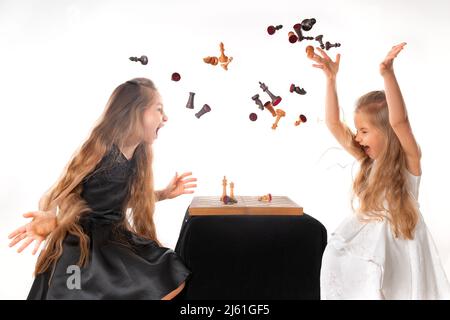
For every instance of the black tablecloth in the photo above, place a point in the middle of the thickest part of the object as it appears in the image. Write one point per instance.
(252, 257)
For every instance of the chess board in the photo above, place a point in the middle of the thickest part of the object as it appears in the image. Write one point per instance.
(246, 205)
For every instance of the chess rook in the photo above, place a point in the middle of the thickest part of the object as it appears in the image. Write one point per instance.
(275, 99)
(258, 101)
(190, 103)
(143, 59)
(206, 108)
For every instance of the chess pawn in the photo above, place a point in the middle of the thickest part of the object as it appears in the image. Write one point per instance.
(225, 65)
(258, 101)
(275, 99)
(143, 59)
(190, 103)
(307, 24)
(271, 29)
(329, 45)
(232, 191)
(211, 60)
(301, 119)
(280, 113)
(296, 89)
(292, 37)
(319, 38)
(176, 76)
(206, 108)
(268, 106)
(265, 198)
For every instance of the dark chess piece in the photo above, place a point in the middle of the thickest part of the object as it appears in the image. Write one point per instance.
(298, 31)
(275, 99)
(302, 119)
(143, 59)
(296, 89)
(307, 24)
(292, 37)
(206, 108)
(253, 116)
(271, 29)
(319, 38)
(176, 76)
(190, 103)
(329, 45)
(257, 101)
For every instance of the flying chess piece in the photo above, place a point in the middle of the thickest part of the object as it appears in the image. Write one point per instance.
(143, 59)
(225, 65)
(253, 116)
(190, 103)
(298, 31)
(307, 24)
(223, 59)
(258, 101)
(296, 89)
(292, 37)
(224, 185)
(206, 108)
(275, 99)
(319, 38)
(176, 76)
(265, 198)
(329, 45)
(232, 191)
(301, 119)
(211, 60)
(268, 106)
(280, 113)
(271, 29)
(310, 51)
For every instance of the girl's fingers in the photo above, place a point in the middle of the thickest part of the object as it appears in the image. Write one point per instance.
(188, 191)
(188, 180)
(17, 239)
(36, 246)
(324, 54)
(25, 244)
(20, 230)
(338, 58)
(190, 186)
(31, 214)
(318, 66)
(185, 175)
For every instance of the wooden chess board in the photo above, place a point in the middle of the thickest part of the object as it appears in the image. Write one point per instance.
(246, 205)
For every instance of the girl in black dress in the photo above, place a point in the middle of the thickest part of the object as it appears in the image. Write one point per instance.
(97, 220)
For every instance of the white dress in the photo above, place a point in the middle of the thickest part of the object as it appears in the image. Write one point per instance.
(365, 261)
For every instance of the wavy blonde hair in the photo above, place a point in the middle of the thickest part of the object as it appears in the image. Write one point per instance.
(385, 178)
(120, 124)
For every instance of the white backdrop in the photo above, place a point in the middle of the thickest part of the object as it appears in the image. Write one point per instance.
(60, 61)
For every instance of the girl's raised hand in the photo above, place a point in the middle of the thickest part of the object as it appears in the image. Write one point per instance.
(387, 65)
(324, 62)
(178, 186)
(38, 229)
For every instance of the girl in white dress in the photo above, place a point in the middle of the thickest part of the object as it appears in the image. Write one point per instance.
(384, 250)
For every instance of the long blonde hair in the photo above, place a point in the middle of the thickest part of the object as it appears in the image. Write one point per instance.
(384, 178)
(120, 123)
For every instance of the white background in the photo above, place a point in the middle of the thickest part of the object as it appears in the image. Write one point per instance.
(61, 60)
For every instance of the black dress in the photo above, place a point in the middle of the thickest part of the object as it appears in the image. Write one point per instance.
(121, 265)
